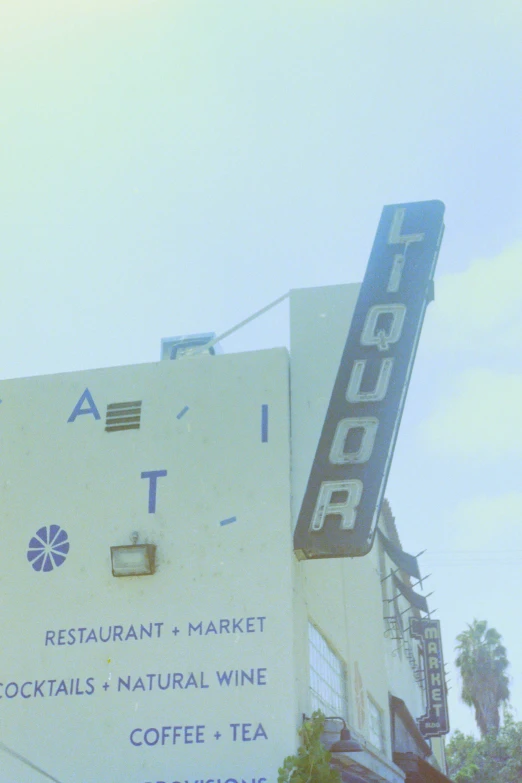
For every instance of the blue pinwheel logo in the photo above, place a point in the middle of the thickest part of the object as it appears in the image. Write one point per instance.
(48, 548)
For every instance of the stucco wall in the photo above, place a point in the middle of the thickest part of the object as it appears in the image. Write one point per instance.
(215, 433)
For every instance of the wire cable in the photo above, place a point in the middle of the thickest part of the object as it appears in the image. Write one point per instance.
(27, 762)
(242, 323)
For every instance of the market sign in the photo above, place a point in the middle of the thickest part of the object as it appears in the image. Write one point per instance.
(338, 516)
(435, 721)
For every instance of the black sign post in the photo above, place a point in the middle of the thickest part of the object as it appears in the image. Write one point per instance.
(338, 516)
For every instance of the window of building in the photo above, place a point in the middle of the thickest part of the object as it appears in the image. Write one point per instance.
(327, 676)
(375, 724)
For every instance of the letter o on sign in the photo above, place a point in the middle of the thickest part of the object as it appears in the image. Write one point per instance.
(155, 735)
(338, 453)
(14, 690)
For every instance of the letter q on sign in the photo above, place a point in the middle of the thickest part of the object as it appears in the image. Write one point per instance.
(371, 335)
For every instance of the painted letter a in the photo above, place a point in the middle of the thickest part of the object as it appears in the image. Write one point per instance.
(79, 411)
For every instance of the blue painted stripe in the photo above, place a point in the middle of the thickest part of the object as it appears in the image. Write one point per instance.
(182, 413)
(228, 521)
(264, 423)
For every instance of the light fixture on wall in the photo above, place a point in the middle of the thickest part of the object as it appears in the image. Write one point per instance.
(345, 743)
(134, 560)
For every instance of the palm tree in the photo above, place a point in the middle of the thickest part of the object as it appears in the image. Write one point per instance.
(482, 661)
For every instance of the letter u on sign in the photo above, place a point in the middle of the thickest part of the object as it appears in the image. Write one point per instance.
(378, 393)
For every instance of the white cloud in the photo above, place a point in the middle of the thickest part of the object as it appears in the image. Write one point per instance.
(480, 307)
(482, 418)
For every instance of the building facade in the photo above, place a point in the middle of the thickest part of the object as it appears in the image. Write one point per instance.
(357, 610)
(157, 625)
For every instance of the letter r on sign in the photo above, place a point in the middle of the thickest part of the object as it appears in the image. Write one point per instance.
(339, 498)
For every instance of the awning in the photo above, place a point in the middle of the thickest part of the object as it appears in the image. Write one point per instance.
(347, 776)
(398, 709)
(418, 770)
(415, 599)
(368, 766)
(407, 563)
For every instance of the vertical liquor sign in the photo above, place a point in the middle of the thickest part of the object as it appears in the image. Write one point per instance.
(435, 722)
(339, 512)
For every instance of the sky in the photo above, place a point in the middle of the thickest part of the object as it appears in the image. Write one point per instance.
(171, 167)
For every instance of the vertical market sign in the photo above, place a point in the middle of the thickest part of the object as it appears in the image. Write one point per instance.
(435, 722)
(340, 508)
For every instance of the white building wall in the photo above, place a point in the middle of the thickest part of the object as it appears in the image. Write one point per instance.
(225, 502)
(219, 603)
(343, 597)
(400, 668)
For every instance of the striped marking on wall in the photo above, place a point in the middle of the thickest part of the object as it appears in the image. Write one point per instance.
(123, 416)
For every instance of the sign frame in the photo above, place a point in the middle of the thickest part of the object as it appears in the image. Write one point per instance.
(435, 721)
(340, 508)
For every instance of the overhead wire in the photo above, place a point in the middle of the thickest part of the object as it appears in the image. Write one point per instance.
(28, 763)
